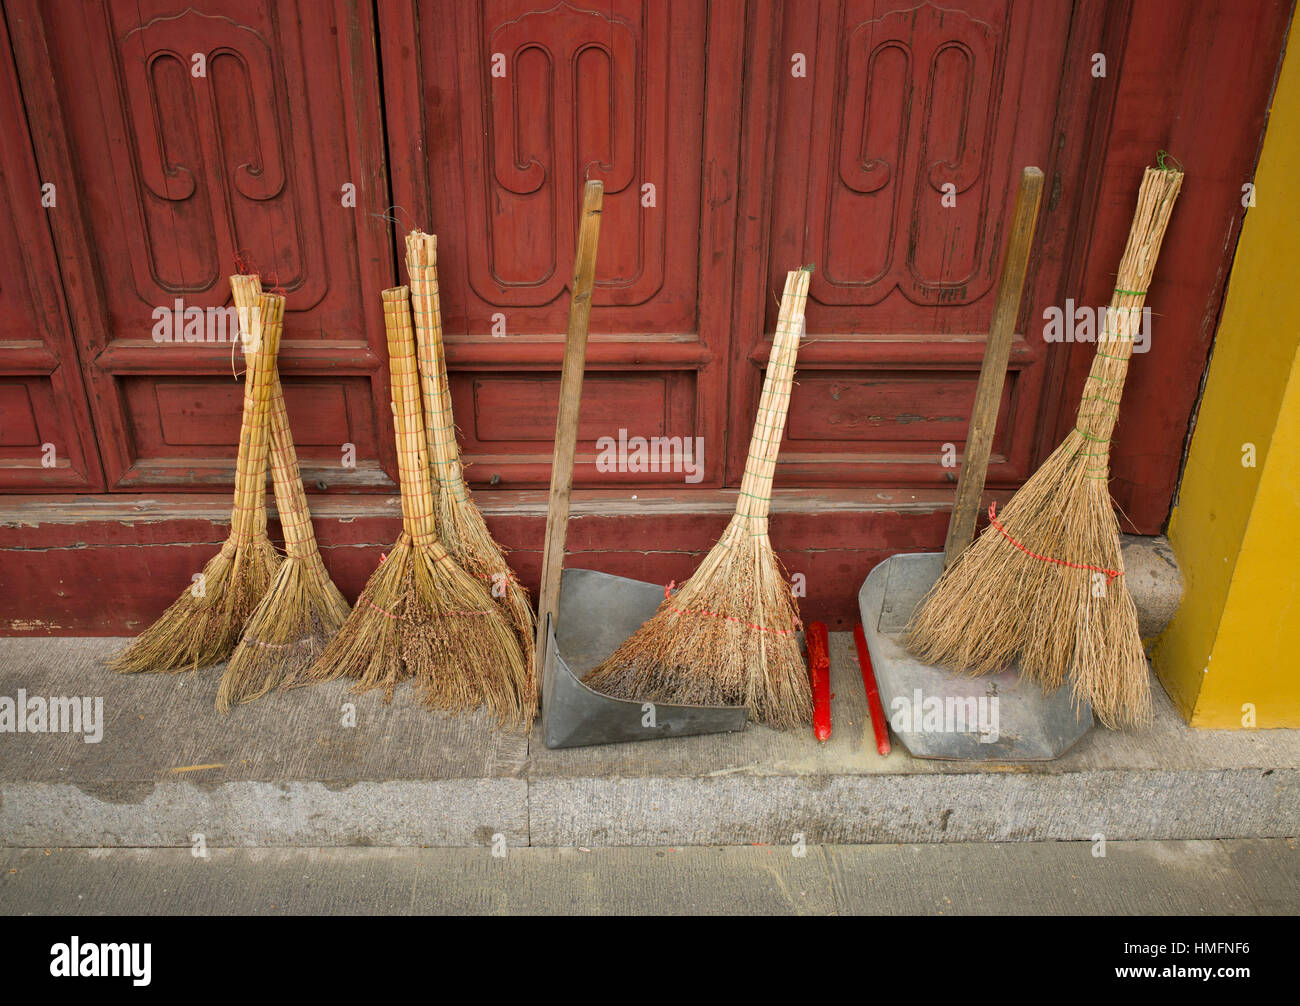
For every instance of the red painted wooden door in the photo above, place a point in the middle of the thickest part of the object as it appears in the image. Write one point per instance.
(47, 442)
(768, 136)
(897, 104)
(497, 112)
(736, 140)
(186, 138)
(899, 133)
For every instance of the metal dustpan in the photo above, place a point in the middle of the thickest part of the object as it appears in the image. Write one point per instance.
(937, 713)
(598, 612)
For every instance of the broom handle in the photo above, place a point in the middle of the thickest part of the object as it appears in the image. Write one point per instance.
(431, 356)
(993, 371)
(250, 467)
(1099, 408)
(286, 477)
(566, 419)
(408, 419)
(774, 404)
(244, 291)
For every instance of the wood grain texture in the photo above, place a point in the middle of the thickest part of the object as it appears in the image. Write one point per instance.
(566, 422)
(167, 176)
(695, 98)
(42, 397)
(993, 372)
(643, 96)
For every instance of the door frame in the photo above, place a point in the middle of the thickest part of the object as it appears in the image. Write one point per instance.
(46, 280)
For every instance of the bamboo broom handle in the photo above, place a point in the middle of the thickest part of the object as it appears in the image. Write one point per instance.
(440, 429)
(408, 419)
(245, 290)
(566, 419)
(286, 477)
(250, 468)
(769, 420)
(993, 371)
(774, 404)
(405, 485)
(1099, 407)
(759, 439)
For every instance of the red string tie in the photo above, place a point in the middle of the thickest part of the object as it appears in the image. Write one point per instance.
(993, 519)
(731, 618)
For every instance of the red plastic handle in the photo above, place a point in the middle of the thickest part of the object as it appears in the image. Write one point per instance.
(873, 693)
(819, 670)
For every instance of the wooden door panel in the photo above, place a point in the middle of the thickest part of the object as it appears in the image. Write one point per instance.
(46, 440)
(615, 95)
(902, 105)
(514, 420)
(182, 175)
(494, 163)
(181, 425)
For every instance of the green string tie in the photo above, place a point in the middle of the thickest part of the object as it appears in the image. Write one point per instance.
(1089, 436)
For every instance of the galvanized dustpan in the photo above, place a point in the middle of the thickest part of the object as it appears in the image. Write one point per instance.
(582, 615)
(935, 712)
(598, 612)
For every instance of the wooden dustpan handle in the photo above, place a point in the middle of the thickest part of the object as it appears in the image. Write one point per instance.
(566, 420)
(993, 372)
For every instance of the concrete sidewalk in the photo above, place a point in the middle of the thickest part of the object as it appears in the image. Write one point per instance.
(1160, 878)
(293, 770)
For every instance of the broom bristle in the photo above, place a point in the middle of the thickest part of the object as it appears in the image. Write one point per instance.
(423, 618)
(999, 603)
(297, 617)
(367, 647)
(461, 649)
(728, 637)
(461, 527)
(466, 537)
(1047, 586)
(202, 626)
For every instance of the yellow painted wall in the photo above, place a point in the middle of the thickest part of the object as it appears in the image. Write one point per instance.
(1235, 641)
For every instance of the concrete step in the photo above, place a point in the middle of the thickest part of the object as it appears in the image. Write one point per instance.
(1249, 876)
(293, 770)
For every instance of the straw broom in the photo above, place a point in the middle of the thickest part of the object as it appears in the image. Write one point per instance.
(460, 524)
(203, 625)
(302, 609)
(421, 616)
(1044, 582)
(728, 636)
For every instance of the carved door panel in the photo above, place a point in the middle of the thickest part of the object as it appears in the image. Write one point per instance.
(196, 136)
(897, 154)
(495, 119)
(46, 439)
